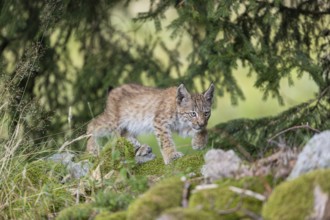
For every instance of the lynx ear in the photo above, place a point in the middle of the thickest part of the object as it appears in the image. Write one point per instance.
(208, 94)
(182, 94)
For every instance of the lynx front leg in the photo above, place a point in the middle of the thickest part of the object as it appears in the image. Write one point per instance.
(165, 142)
(199, 140)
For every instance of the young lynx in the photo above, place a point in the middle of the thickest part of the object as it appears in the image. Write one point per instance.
(133, 109)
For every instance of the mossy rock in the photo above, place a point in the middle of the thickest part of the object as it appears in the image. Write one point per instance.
(164, 195)
(122, 215)
(223, 199)
(191, 163)
(84, 211)
(115, 155)
(153, 167)
(113, 201)
(294, 199)
(187, 214)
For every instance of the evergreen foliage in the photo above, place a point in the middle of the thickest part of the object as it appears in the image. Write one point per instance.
(293, 127)
(275, 39)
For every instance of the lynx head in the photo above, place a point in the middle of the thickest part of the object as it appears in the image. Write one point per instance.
(194, 109)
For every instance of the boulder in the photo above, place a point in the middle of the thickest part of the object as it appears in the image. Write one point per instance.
(305, 197)
(223, 164)
(315, 155)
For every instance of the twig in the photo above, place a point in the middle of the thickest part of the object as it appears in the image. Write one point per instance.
(293, 128)
(67, 143)
(247, 192)
(323, 93)
(269, 159)
(251, 214)
(3, 105)
(232, 210)
(185, 194)
(205, 186)
(78, 193)
(241, 149)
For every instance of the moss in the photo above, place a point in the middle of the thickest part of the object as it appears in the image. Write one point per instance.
(164, 195)
(222, 198)
(111, 216)
(153, 167)
(188, 214)
(85, 156)
(77, 212)
(187, 164)
(113, 201)
(294, 199)
(115, 155)
(40, 172)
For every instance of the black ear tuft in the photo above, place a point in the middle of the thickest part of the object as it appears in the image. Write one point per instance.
(182, 94)
(208, 94)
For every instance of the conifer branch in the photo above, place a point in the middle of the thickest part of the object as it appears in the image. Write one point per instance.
(297, 9)
(293, 128)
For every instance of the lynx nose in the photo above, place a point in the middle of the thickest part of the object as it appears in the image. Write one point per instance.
(201, 124)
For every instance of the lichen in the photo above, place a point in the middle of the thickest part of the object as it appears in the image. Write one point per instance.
(166, 194)
(221, 200)
(294, 199)
(111, 216)
(187, 214)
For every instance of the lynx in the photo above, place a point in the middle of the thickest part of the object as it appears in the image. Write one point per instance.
(134, 109)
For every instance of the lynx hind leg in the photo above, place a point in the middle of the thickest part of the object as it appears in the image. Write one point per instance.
(97, 128)
(199, 140)
(143, 152)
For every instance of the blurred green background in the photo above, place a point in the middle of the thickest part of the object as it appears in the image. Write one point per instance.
(58, 58)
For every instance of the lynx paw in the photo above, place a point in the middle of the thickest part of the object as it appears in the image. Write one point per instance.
(173, 156)
(198, 147)
(199, 141)
(143, 150)
(145, 158)
(198, 144)
(144, 154)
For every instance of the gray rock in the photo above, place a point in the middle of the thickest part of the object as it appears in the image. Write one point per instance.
(63, 158)
(315, 155)
(221, 164)
(76, 170)
(80, 169)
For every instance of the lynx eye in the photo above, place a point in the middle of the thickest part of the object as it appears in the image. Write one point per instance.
(193, 114)
(206, 114)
